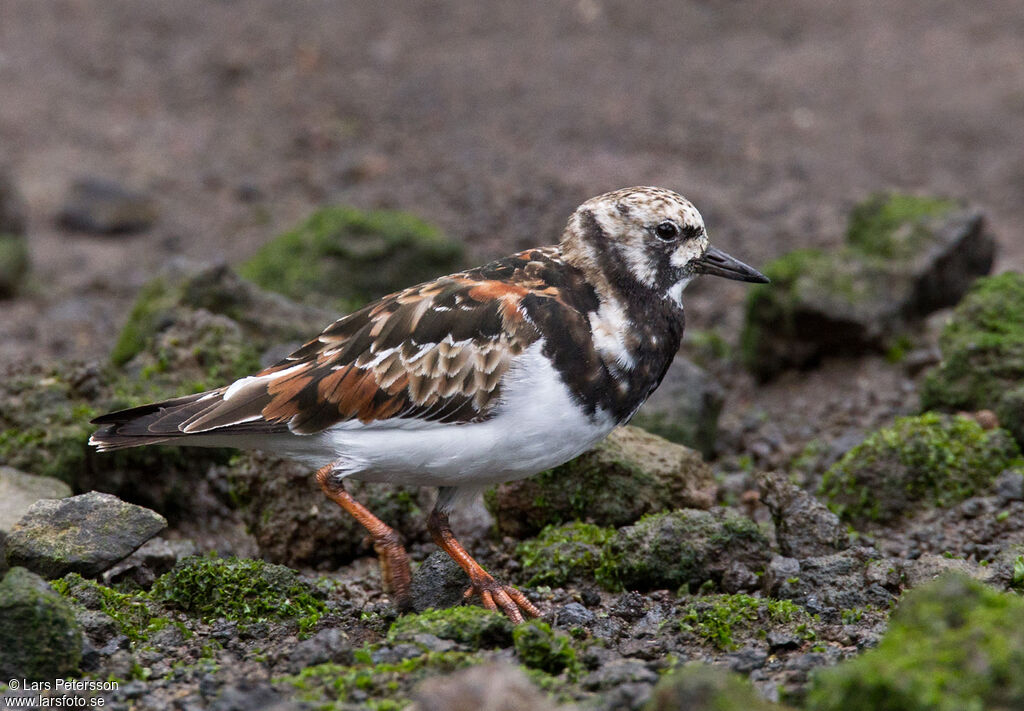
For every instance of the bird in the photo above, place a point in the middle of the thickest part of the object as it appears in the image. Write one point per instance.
(473, 379)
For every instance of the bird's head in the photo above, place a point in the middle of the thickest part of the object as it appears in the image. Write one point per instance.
(649, 238)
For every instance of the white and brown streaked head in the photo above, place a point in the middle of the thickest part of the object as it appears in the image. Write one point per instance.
(646, 238)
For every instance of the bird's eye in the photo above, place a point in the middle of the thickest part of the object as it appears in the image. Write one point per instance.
(667, 230)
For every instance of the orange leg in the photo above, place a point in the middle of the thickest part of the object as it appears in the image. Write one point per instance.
(493, 594)
(394, 561)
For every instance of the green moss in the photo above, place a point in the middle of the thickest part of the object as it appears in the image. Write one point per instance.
(380, 687)
(539, 647)
(982, 348)
(930, 460)
(953, 644)
(14, 264)
(144, 320)
(239, 589)
(474, 626)
(38, 633)
(563, 553)
(679, 548)
(346, 257)
(720, 620)
(132, 613)
(893, 225)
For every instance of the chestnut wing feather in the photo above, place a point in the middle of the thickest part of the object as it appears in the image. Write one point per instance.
(434, 353)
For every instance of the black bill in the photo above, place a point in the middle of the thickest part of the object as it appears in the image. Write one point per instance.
(717, 263)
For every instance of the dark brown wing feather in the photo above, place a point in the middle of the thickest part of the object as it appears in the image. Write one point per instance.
(435, 352)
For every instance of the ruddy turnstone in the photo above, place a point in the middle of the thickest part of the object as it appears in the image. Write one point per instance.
(472, 379)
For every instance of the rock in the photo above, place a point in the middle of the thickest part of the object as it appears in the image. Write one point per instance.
(982, 351)
(629, 474)
(702, 687)
(438, 583)
(573, 615)
(83, 534)
(804, 526)
(928, 460)
(295, 524)
(343, 257)
(265, 318)
(39, 638)
(144, 566)
(685, 547)
(14, 264)
(931, 566)
(904, 258)
(1009, 486)
(488, 687)
(13, 219)
(561, 554)
(685, 407)
(44, 430)
(327, 645)
(106, 207)
(951, 644)
(839, 581)
(617, 673)
(18, 491)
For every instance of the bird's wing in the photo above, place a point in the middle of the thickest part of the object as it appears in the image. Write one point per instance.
(431, 353)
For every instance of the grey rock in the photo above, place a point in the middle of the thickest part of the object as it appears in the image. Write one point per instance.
(144, 566)
(860, 298)
(18, 491)
(617, 673)
(106, 207)
(840, 580)
(327, 645)
(489, 687)
(747, 659)
(804, 527)
(573, 615)
(83, 534)
(1010, 486)
(703, 687)
(438, 582)
(930, 566)
(39, 637)
(250, 694)
(685, 407)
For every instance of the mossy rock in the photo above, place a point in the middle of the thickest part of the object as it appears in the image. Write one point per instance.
(135, 615)
(264, 318)
(560, 554)
(275, 495)
(904, 257)
(927, 460)
(982, 348)
(39, 637)
(681, 548)
(627, 475)
(14, 264)
(952, 644)
(344, 257)
(1010, 412)
(44, 430)
(242, 589)
(726, 622)
(539, 647)
(475, 626)
(703, 687)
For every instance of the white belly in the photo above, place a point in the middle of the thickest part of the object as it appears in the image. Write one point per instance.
(536, 426)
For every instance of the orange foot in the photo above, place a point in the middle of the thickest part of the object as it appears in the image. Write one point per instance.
(496, 596)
